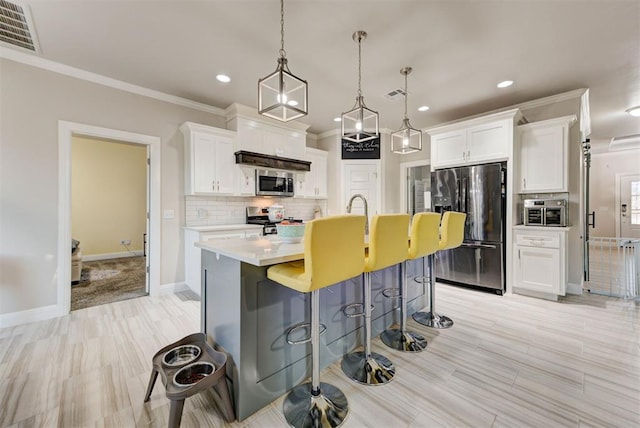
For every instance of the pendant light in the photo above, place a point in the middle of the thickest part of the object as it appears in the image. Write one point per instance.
(282, 95)
(406, 139)
(360, 123)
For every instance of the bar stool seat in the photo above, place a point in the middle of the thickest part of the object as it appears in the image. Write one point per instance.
(423, 241)
(318, 404)
(451, 236)
(387, 247)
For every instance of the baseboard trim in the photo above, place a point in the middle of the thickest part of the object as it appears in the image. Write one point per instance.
(107, 256)
(30, 315)
(174, 287)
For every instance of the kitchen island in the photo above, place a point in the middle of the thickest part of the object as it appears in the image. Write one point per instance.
(248, 316)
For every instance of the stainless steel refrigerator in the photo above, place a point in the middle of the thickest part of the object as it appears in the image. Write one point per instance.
(478, 191)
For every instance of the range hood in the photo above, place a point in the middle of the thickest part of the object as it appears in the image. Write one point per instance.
(275, 162)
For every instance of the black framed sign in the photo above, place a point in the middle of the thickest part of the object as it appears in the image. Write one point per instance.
(365, 150)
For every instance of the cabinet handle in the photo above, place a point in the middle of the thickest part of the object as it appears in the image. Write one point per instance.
(524, 183)
(213, 185)
(518, 254)
(468, 154)
(464, 155)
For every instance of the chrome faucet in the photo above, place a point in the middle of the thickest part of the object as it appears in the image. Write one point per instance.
(366, 210)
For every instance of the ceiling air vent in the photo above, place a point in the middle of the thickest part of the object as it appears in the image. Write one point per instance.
(395, 95)
(16, 26)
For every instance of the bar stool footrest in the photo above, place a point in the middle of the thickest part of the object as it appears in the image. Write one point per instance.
(360, 313)
(307, 326)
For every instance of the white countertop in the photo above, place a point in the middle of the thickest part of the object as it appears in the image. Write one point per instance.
(220, 227)
(263, 251)
(543, 228)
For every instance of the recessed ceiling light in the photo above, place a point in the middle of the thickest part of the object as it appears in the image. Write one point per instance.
(634, 111)
(337, 119)
(223, 78)
(505, 84)
(423, 108)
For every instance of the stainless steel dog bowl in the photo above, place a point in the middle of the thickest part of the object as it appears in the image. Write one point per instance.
(181, 355)
(193, 373)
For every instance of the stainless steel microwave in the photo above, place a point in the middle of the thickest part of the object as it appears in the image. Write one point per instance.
(545, 212)
(274, 183)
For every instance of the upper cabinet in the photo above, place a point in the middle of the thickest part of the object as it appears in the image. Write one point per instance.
(313, 184)
(260, 135)
(209, 160)
(543, 159)
(474, 141)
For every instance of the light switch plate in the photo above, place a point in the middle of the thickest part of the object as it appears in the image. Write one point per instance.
(168, 214)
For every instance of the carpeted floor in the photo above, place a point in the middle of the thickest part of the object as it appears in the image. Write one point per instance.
(106, 281)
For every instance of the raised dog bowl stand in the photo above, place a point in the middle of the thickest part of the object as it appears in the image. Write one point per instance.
(188, 372)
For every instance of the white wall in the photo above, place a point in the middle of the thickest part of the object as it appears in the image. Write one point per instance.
(32, 101)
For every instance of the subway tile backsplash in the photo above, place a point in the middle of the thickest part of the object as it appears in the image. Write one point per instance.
(216, 210)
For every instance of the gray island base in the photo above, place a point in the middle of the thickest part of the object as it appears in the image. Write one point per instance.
(247, 316)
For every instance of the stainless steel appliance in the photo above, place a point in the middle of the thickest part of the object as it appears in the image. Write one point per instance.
(478, 191)
(257, 215)
(274, 183)
(545, 212)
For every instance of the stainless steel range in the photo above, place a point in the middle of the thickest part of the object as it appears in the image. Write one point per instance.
(257, 215)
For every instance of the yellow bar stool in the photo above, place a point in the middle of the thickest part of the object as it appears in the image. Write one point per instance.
(387, 247)
(451, 236)
(319, 404)
(423, 241)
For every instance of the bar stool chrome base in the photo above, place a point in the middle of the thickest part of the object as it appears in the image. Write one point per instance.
(375, 370)
(407, 341)
(303, 409)
(432, 319)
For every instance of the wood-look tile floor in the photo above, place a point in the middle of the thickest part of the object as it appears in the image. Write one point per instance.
(508, 361)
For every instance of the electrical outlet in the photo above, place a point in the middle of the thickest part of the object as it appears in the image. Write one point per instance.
(125, 242)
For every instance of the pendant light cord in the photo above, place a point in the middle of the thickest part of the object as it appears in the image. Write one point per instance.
(283, 53)
(359, 65)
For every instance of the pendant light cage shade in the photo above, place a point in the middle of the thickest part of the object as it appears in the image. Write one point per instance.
(360, 123)
(407, 139)
(282, 95)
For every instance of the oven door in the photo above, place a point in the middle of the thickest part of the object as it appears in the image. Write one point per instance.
(534, 216)
(554, 216)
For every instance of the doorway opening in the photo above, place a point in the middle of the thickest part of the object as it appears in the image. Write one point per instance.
(151, 239)
(109, 204)
(415, 187)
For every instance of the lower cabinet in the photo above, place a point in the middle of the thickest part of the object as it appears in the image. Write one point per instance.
(193, 255)
(540, 257)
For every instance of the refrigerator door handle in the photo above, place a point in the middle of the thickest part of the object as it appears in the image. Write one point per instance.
(465, 188)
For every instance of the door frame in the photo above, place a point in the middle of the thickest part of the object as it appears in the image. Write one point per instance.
(619, 177)
(404, 170)
(66, 131)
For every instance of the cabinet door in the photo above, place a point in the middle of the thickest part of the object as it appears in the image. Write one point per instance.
(537, 269)
(204, 163)
(542, 160)
(449, 149)
(246, 180)
(488, 142)
(321, 176)
(224, 165)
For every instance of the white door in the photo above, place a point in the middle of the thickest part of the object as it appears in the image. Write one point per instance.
(363, 179)
(630, 206)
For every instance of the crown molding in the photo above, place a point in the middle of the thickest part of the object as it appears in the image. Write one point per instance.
(56, 67)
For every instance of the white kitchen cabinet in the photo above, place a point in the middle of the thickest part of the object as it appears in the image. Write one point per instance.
(209, 160)
(255, 134)
(246, 180)
(544, 152)
(192, 254)
(313, 184)
(539, 258)
(474, 141)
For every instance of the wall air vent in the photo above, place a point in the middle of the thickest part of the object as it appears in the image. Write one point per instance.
(16, 26)
(395, 95)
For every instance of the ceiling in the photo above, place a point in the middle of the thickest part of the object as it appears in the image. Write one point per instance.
(459, 51)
